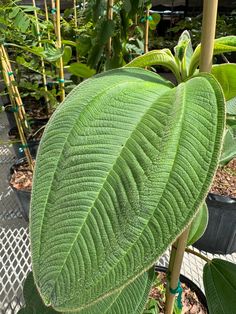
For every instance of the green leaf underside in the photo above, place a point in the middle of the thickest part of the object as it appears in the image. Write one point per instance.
(229, 146)
(231, 106)
(221, 45)
(130, 300)
(226, 76)
(219, 279)
(198, 225)
(123, 166)
(162, 57)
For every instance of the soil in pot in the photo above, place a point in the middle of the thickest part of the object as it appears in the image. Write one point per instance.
(225, 180)
(193, 299)
(21, 182)
(36, 110)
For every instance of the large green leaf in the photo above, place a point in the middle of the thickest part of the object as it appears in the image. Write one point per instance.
(162, 57)
(226, 76)
(123, 165)
(221, 45)
(198, 225)
(219, 279)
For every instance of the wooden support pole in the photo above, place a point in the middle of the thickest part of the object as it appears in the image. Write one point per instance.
(146, 31)
(61, 78)
(110, 4)
(47, 16)
(75, 14)
(176, 260)
(208, 34)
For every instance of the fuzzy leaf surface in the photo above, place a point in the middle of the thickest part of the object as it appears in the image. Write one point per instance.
(163, 57)
(226, 76)
(123, 165)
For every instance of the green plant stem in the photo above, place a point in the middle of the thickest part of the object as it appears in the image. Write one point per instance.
(198, 254)
(75, 13)
(174, 271)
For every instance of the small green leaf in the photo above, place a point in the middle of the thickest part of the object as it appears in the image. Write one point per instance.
(221, 45)
(14, 12)
(184, 52)
(219, 278)
(198, 225)
(81, 70)
(226, 76)
(161, 57)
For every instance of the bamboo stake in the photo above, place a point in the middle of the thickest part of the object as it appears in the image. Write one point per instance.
(146, 30)
(47, 16)
(53, 11)
(110, 4)
(13, 89)
(75, 13)
(42, 61)
(208, 34)
(59, 45)
(14, 99)
(177, 259)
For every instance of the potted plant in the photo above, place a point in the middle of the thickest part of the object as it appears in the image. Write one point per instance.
(123, 167)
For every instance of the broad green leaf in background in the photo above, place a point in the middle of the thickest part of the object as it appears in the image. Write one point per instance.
(67, 54)
(219, 278)
(198, 225)
(229, 147)
(123, 166)
(226, 76)
(161, 57)
(81, 70)
(221, 45)
(231, 106)
(183, 53)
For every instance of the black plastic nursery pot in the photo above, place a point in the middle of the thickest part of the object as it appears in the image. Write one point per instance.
(23, 196)
(190, 284)
(220, 234)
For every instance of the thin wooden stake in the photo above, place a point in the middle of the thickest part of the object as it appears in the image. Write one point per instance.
(208, 34)
(16, 102)
(146, 31)
(75, 13)
(59, 45)
(47, 16)
(174, 270)
(13, 89)
(110, 4)
(44, 78)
